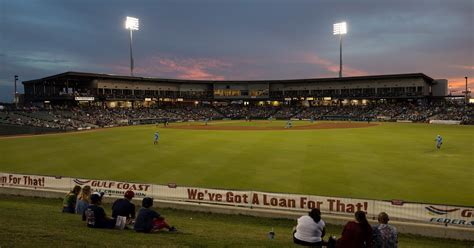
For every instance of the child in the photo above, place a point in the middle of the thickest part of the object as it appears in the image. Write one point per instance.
(69, 202)
(95, 215)
(148, 220)
(83, 200)
(124, 207)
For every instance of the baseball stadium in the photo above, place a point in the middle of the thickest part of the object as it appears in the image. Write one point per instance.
(237, 125)
(370, 138)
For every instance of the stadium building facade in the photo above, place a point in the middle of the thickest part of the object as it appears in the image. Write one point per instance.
(72, 88)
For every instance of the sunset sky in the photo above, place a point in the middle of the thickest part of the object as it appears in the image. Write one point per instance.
(236, 39)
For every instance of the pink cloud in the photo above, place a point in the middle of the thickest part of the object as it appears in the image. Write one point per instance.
(331, 66)
(457, 85)
(187, 68)
(465, 67)
(197, 69)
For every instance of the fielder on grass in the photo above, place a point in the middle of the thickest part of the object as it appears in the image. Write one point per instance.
(439, 141)
(156, 138)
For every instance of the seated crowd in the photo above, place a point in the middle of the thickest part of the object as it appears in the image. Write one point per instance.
(74, 118)
(309, 231)
(358, 233)
(88, 205)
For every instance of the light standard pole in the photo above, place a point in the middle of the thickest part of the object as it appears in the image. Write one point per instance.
(131, 24)
(340, 29)
(466, 92)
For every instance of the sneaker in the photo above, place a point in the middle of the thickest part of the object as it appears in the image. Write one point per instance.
(173, 229)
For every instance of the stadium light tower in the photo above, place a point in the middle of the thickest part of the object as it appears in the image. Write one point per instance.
(340, 29)
(15, 93)
(131, 23)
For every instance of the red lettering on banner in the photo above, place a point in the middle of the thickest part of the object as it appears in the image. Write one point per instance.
(192, 194)
(279, 202)
(229, 197)
(234, 198)
(134, 187)
(102, 184)
(338, 206)
(211, 196)
(245, 198)
(466, 213)
(305, 203)
(24, 180)
(255, 200)
(200, 196)
(33, 181)
(14, 180)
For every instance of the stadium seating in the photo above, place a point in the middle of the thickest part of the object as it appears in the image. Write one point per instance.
(73, 118)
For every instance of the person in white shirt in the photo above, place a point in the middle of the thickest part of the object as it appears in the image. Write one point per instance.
(310, 229)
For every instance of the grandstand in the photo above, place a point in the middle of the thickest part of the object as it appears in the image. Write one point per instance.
(125, 91)
(76, 100)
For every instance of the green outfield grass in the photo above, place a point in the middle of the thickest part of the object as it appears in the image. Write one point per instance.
(388, 161)
(36, 222)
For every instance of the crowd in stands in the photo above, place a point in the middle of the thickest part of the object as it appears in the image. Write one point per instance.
(74, 118)
(234, 111)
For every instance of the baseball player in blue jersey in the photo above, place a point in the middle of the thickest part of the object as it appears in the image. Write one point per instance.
(156, 138)
(439, 141)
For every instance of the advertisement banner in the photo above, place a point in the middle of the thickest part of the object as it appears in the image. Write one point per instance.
(115, 188)
(398, 210)
(35, 182)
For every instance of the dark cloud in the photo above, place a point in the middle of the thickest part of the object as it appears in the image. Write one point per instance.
(248, 39)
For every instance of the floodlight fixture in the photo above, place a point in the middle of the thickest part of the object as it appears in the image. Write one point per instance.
(132, 23)
(340, 29)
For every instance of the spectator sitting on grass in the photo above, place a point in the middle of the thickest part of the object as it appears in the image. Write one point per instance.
(148, 220)
(310, 229)
(356, 234)
(83, 200)
(124, 207)
(384, 235)
(69, 202)
(95, 215)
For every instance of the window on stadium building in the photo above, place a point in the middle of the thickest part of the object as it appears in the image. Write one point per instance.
(258, 92)
(227, 92)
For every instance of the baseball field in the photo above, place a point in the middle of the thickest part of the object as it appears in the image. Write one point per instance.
(374, 161)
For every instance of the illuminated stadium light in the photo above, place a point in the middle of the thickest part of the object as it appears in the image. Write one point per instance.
(340, 29)
(132, 23)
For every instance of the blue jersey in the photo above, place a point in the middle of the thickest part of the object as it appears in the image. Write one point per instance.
(439, 140)
(156, 136)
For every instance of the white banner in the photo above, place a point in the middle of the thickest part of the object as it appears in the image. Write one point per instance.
(398, 210)
(84, 98)
(446, 122)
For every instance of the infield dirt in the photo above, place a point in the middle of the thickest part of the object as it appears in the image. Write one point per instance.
(260, 128)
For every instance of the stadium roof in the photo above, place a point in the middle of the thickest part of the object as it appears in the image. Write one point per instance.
(90, 76)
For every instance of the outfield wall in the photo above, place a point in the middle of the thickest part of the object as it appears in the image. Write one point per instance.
(443, 218)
